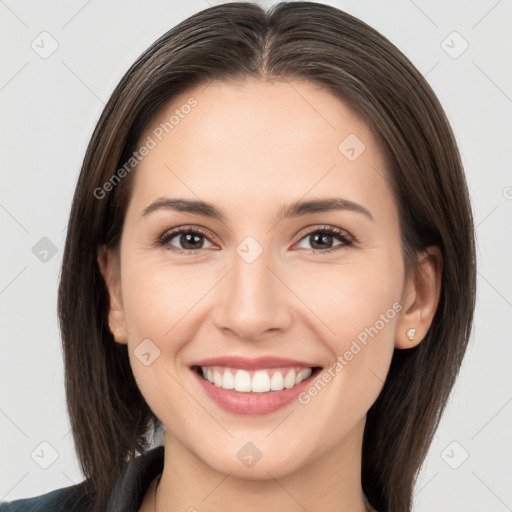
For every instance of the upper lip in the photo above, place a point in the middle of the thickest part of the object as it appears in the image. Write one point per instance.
(252, 364)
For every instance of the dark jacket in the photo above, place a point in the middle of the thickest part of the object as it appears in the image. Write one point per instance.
(126, 496)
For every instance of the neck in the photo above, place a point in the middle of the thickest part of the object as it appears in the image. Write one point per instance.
(331, 483)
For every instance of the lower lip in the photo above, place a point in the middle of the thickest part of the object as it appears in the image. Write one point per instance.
(253, 403)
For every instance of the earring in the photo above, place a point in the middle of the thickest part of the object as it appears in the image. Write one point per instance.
(411, 333)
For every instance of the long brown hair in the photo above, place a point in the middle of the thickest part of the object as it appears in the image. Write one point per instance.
(111, 422)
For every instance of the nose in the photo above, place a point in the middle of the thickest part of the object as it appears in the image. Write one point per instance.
(253, 303)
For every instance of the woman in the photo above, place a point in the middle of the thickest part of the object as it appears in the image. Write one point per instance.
(270, 255)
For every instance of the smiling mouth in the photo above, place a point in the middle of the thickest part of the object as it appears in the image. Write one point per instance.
(255, 381)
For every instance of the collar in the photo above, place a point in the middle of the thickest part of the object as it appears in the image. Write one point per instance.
(133, 483)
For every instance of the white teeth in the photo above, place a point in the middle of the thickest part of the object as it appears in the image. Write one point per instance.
(302, 375)
(242, 381)
(228, 381)
(261, 381)
(277, 382)
(289, 380)
(217, 378)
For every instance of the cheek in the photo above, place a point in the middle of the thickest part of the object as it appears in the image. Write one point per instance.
(355, 300)
(359, 307)
(157, 304)
(361, 310)
(158, 295)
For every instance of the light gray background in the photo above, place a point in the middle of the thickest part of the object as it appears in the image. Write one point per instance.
(48, 108)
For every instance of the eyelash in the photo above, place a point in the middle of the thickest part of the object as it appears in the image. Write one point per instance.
(346, 239)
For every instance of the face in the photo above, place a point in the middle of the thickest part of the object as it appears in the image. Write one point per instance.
(317, 291)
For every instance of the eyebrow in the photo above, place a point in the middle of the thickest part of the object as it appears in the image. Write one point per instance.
(296, 209)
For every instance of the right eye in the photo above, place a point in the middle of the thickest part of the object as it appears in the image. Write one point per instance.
(191, 240)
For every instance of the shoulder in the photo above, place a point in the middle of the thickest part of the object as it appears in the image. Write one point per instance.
(66, 499)
(126, 496)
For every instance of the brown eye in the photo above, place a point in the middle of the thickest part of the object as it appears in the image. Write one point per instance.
(184, 240)
(323, 239)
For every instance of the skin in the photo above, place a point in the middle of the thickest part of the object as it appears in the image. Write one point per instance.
(249, 149)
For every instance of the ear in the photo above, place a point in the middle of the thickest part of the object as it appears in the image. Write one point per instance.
(420, 299)
(108, 261)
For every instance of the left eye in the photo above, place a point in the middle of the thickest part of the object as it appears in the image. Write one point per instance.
(324, 236)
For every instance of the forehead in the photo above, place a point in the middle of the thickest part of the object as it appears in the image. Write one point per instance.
(260, 143)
